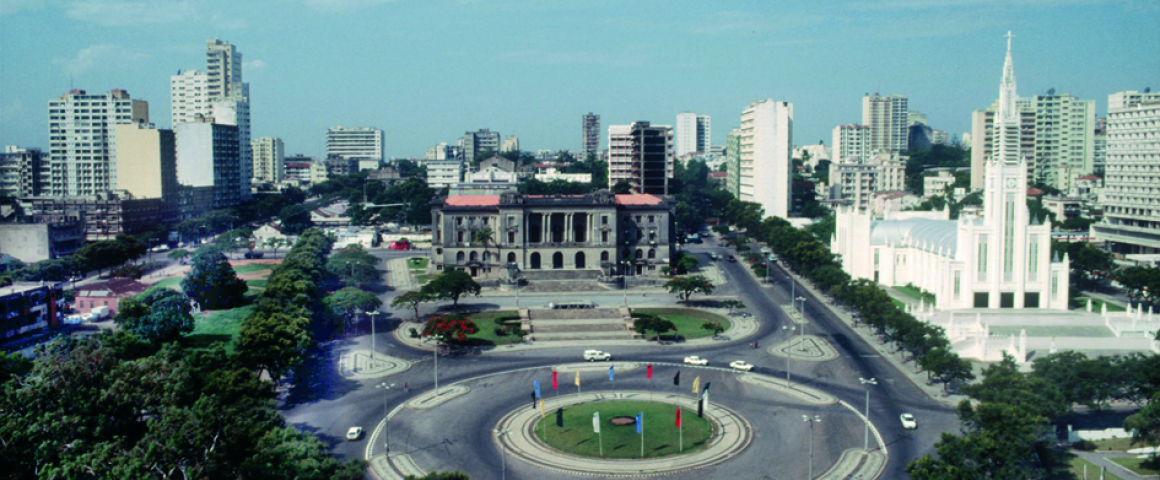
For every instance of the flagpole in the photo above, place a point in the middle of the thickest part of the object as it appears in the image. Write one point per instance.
(601, 435)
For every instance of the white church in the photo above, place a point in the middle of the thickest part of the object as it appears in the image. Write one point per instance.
(999, 260)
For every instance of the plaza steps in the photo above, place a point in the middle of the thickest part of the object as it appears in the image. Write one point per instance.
(570, 336)
(546, 275)
(574, 314)
(547, 325)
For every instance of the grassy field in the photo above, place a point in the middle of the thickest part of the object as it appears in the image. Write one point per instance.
(218, 326)
(1142, 466)
(257, 283)
(417, 263)
(172, 282)
(661, 436)
(688, 321)
(1097, 305)
(915, 292)
(1094, 331)
(423, 279)
(486, 324)
(1115, 444)
(253, 267)
(1064, 465)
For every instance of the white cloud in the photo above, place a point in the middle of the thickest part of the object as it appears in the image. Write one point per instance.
(131, 12)
(8, 7)
(342, 6)
(253, 65)
(633, 57)
(97, 56)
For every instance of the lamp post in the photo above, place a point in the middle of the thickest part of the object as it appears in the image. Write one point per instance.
(866, 433)
(373, 314)
(789, 353)
(502, 453)
(812, 420)
(624, 277)
(357, 312)
(386, 435)
(801, 311)
(792, 286)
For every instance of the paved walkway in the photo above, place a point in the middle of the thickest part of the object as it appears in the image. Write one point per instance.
(1101, 460)
(399, 275)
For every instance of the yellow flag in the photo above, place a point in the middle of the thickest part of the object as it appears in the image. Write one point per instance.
(696, 383)
(542, 412)
(577, 378)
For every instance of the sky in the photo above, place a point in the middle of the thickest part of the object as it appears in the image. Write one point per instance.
(426, 71)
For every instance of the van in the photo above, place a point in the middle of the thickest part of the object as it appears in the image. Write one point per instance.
(570, 305)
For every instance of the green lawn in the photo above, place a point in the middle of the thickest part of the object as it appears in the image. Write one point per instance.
(173, 282)
(486, 324)
(253, 267)
(417, 263)
(1097, 305)
(687, 320)
(661, 436)
(1142, 466)
(1115, 444)
(1094, 331)
(915, 292)
(218, 326)
(1064, 465)
(257, 283)
(423, 279)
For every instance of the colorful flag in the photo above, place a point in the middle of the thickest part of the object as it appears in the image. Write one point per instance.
(678, 417)
(542, 412)
(610, 373)
(553, 380)
(1103, 470)
(537, 385)
(696, 384)
(596, 422)
(677, 378)
(705, 398)
(640, 422)
(577, 378)
(649, 375)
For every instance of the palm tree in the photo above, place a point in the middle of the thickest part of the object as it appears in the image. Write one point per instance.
(486, 236)
(274, 243)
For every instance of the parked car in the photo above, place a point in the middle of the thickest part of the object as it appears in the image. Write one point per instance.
(715, 256)
(908, 421)
(695, 360)
(594, 355)
(354, 433)
(741, 365)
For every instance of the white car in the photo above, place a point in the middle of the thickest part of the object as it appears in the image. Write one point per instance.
(354, 433)
(695, 360)
(908, 421)
(594, 355)
(741, 365)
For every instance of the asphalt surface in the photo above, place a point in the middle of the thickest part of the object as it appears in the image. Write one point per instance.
(327, 404)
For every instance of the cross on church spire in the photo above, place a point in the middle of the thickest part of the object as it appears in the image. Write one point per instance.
(1009, 37)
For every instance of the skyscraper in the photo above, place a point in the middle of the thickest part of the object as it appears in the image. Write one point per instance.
(472, 144)
(642, 155)
(23, 172)
(983, 138)
(766, 148)
(146, 161)
(733, 162)
(1064, 139)
(693, 133)
(590, 130)
(888, 118)
(81, 139)
(223, 65)
(269, 158)
(209, 161)
(188, 98)
(354, 143)
(851, 143)
(1132, 174)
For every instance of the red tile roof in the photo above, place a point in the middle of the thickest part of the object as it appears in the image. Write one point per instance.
(473, 200)
(1034, 192)
(1089, 177)
(635, 199)
(718, 174)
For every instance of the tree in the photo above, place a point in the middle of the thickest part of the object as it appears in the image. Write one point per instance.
(732, 304)
(158, 315)
(686, 286)
(213, 282)
(346, 301)
(622, 187)
(179, 255)
(645, 323)
(714, 327)
(273, 341)
(450, 285)
(1145, 424)
(354, 266)
(237, 239)
(1080, 380)
(687, 263)
(411, 299)
(484, 237)
(449, 328)
(274, 243)
(295, 219)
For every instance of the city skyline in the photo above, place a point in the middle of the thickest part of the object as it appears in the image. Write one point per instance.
(564, 60)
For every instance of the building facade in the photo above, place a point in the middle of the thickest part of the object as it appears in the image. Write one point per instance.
(146, 162)
(354, 142)
(444, 173)
(693, 134)
(858, 182)
(1002, 260)
(1064, 139)
(642, 155)
(1131, 193)
(983, 138)
(28, 308)
(223, 65)
(599, 233)
(590, 134)
(510, 144)
(766, 146)
(81, 140)
(269, 160)
(22, 172)
(33, 242)
(851, 143)
(888, 118)
(733, 162)
(209, 160)
(188, 97)
(473, 144)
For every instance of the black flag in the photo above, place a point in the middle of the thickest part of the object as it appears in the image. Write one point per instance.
(560, 417)
(701, 407)
(533, 400)
(677, 378)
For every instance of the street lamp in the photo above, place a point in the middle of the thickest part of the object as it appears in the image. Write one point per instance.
(386, 436)
(502, 452)
(373, 313)
(812, 421)
(624, 279)
(866, 434)
(789, 353)
(357, 312)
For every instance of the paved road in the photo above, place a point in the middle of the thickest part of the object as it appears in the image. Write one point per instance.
(328, 404)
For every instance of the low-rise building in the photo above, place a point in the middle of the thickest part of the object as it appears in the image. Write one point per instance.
(105, 215)
(444, 173)
(937, 184)
(1063, 207)
(33, 242)
(106, 294)
(553, 174)
(28, 308)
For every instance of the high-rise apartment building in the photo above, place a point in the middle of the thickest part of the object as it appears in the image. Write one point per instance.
(80, 135)
(146, 161)
(188, 98)
(1131, 222)
(269, 159)
(858, 182)
(354, 143)
(1064, 139)
(642, 155)
(23, 171)
(851, 143)
(693, 134)
(510, 144)
(443, 151)
(983, 138)
(590, 130)
(888, 118)
(733, 162)
(209, 161)
(472, 144)
(766, 148)
(1100, 148)
(223, 65)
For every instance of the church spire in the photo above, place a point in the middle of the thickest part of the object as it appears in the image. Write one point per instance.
(1007, 96)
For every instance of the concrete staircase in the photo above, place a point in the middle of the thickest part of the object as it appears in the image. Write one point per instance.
(546, 325)
(541, 275)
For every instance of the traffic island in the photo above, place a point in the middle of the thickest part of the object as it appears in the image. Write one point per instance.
(723, 434)
(359, 364)
(807, 348)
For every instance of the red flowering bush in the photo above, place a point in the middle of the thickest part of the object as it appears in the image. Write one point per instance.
(449, 328)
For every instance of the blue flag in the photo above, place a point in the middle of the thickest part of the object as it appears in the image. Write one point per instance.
(537, 388)
(610, 373)
(640, 422)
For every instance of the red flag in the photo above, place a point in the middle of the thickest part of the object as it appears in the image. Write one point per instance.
(553, 379)
(650, 371)
(678, 416)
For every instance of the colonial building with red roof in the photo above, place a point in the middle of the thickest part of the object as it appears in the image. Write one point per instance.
(599, 234)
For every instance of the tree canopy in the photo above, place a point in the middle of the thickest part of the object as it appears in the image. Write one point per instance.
(158, 315)
(684, 287)
(451, 285)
